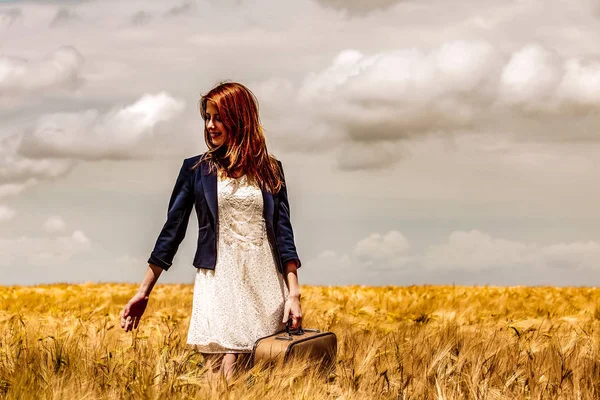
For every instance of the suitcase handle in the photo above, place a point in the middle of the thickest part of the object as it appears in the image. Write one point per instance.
(298, 331)
(289, 332)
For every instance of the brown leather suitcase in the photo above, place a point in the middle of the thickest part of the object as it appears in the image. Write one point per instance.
(283, 346)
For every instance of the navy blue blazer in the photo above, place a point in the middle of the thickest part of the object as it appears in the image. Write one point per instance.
(198, 188)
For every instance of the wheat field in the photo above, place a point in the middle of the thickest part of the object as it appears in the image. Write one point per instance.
(418, 342)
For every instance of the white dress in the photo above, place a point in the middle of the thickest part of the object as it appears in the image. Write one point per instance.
(243, 298)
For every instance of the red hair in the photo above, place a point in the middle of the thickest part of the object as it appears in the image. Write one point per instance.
(246, 147)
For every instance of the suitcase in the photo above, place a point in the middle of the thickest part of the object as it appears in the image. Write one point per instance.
(285, 345)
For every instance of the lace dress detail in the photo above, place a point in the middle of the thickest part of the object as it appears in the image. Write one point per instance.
(243, 298)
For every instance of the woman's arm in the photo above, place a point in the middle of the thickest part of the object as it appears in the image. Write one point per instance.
(133, 311)
(292, 307)
(169, 239)
(178, 215)
(291, 278)
(289, 257)
(284, 230)
(152, 274)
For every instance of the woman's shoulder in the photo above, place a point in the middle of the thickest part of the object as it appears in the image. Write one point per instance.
(193, 160)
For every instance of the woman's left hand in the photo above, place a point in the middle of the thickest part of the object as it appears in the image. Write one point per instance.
(292, 305)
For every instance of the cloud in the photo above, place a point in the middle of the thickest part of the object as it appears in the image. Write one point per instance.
(475, 250)
(6, 213)
(580, 85)
(64, 16)
(292, 125)
(405, 92)
(52, 147)
(389, 248)
(60, 69)
(368, 156)
(54, 224)
(539, 80)
(141, 18)
(40, 251)
(358, 7)
(461, 86)
(464, 251)
(13, 189)
(18, 171)
(331, 259)
(530, 76)
(181, 9)
(90, 135)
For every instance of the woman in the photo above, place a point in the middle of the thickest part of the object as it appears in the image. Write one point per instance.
(246, 284)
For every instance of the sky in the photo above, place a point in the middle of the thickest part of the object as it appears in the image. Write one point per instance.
(423, 142)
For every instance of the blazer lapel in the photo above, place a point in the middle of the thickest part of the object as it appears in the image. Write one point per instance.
(268, 207)
(209, 187)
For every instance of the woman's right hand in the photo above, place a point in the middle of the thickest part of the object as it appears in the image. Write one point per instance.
(133, 311)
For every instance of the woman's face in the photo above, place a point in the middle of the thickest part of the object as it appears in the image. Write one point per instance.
(214, 126)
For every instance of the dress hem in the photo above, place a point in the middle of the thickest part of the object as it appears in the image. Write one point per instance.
(206, 349)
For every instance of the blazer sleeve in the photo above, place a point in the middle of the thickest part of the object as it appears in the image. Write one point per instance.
(178, 214)
(285, 233)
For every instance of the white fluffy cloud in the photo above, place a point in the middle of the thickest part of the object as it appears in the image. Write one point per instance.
(17, 169)
(92, 135)
(54, 145)
(538, 79)
(530, 77)
(377, 247)
(462, 85)
(404, 92)
(60, 69)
